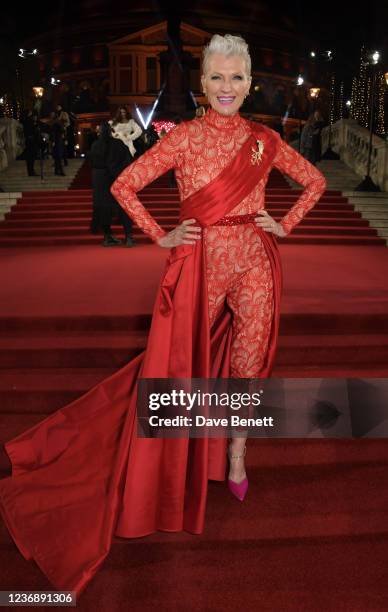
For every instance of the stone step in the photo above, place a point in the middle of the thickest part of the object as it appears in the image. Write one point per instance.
(15, 178)
(373, 214)
(42, 186)
(5, 195)
(379, 223)
(366, 195)
(20, 165)
(340, 174)
(371, 208)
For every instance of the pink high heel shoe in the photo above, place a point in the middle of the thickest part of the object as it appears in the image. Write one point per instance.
(239, 489)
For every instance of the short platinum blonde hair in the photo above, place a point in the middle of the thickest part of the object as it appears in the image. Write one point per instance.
(227, 45)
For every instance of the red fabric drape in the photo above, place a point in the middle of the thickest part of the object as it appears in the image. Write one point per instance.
(82, 475)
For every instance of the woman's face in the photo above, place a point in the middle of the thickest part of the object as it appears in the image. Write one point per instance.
(123, 113)
(226, 83)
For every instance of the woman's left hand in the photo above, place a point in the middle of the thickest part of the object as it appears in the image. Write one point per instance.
(268, 224)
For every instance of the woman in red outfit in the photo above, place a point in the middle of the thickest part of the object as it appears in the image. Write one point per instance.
(238, 270)
(83, 476)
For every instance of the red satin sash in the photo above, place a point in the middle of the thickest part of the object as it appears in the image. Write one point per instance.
(234, 183)
(180, 321)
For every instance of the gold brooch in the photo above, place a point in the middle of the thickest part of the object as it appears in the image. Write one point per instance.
(257, 155)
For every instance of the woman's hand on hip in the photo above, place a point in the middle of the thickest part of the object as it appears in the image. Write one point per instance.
(184, 233)
(268, 224)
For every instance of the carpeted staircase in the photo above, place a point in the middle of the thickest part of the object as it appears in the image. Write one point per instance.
(62, 218)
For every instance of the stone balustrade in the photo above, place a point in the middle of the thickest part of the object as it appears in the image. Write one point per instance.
(11, 141)
(351, 142)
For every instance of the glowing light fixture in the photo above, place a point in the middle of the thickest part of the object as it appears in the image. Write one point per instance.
(38, 92)
(314, 92)
(23, 53)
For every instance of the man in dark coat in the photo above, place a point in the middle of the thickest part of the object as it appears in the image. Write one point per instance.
(32, 141)
(57, 143)
(108, 158)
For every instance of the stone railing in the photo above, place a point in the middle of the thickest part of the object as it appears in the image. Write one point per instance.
(351, 142)
(11, 141)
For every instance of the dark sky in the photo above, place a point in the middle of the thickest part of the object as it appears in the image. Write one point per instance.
(331, 22)
(341, 26)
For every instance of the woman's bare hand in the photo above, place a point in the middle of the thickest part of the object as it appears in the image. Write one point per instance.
(268, 224)
(184, 233)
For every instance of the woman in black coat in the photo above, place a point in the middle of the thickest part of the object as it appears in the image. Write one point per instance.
(108, 158)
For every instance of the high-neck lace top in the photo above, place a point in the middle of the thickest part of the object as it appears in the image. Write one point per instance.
(198, 150)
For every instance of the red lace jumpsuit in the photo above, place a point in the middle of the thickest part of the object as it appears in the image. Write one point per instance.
(238, 270)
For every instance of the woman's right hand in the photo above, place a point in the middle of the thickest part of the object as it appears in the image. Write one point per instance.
(184, 233)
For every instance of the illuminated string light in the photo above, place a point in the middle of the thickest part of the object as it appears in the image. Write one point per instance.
(332, 98)
(8, 110)
(368, 92)
(380, 123)
(353, 100)
(361, 97)
(362, 92)
(341, 101)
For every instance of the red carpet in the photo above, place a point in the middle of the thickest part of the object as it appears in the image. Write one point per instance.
(83, 178)
(312, 533)
(62, 217)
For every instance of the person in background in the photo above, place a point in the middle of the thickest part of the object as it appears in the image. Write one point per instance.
(278, 127)
(151, 136)
(319, 124)
(32, 141)
(306, 139)
(125, 128)
(57, 143)
(64, 119)
(108, 158)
